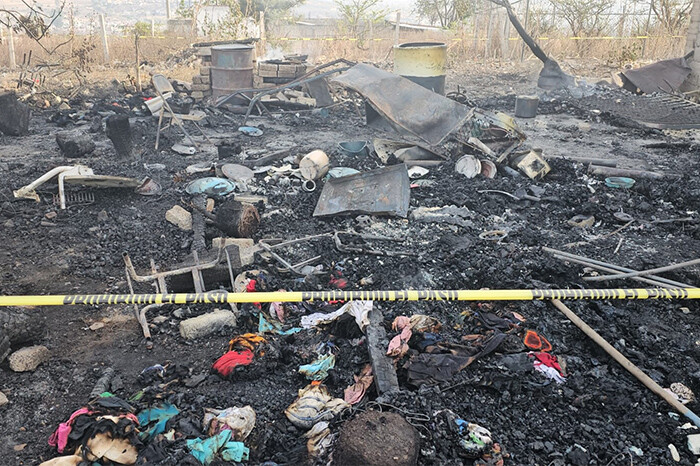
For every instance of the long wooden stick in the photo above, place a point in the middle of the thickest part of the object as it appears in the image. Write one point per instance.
(666, 268)
(626, 363)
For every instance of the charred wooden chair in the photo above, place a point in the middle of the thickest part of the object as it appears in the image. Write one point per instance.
(162, 86)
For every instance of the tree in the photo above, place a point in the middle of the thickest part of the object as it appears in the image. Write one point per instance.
(444, 12)
(357, 15)
(586, 18)
(34, 21)
(672, 14)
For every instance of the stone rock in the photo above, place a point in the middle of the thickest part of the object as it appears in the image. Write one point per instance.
(15, 115)
(29, 358)
(377, 439)
(179, 217)
(694, 443)
(203, 325)
(3, 399)
(75, 143)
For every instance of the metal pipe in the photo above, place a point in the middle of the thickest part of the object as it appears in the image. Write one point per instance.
(613, 266)
(626, 363)
(643, 272)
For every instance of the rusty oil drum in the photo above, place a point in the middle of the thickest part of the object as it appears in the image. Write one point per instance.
(231, 68)
(423, 63)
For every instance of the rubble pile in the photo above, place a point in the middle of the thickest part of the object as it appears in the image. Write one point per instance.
(401, 190)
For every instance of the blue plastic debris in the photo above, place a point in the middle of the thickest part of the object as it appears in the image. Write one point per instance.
(206, 450)
(211, 186)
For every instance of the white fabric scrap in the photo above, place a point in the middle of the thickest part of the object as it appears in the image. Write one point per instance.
(358, 309)
(550, 372)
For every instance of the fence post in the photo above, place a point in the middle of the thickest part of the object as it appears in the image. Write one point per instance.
(153, 28)
(138, 61)
(263, 32)
(475, 44)
(489, 34)
(11, 47)
(371, 40)
(527, 21)
(505, 36)
(398, 28)
(167, 9)
(646, 33)
(105, 45)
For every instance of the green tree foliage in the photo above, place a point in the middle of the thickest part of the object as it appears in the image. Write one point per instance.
(445, 13)
(358, 16)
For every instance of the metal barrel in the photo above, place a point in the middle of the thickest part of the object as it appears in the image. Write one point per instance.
(423, 63)
(231, 68)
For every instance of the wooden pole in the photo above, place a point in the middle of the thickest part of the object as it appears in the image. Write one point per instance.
(646, 33)
(475, 45)
(527, 21)
(398, 28)
(626, 363)
(153, 28)
(105, 45)
(263, 33)
(138, 61)
(167, 9)
(489, 34)
(11, 47)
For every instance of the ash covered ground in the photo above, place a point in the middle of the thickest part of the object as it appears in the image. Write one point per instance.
(593, 418)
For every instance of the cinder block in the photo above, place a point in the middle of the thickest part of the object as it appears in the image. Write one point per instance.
(197, 95)
(203, 52)
(267, 70)
(197, 79)
(205, 79)
(301, 69)
(205, 324)
(204, 70)
(201, 87)
(287, 71)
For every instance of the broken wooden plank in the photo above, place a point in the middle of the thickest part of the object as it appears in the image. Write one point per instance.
(382, 365)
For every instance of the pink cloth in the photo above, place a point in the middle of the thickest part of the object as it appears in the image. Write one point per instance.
(398, 346)
(59, 439)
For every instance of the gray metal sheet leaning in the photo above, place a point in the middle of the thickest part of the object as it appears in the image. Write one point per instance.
(408, 107)
(382, 191)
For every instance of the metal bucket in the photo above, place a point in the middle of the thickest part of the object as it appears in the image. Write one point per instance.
(423, 63)
(231, 68)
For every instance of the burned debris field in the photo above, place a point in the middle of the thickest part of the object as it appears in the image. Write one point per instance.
(387, 186)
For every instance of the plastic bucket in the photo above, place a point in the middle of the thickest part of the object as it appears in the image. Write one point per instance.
(353, 148)
(314, 165)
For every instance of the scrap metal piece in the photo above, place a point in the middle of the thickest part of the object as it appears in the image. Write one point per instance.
(408, 107)
(665, 75)
(410, 154)
(385, 191)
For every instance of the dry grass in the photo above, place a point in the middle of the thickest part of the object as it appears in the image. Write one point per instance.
(174, 57)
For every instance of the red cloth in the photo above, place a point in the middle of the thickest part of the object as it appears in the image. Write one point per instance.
(250, 288)
(59, 438)
(549, 360)
(232, 359)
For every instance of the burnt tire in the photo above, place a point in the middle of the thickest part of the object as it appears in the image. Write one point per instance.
(17, 326)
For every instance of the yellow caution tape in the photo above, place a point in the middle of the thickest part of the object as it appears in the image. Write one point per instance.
(223, 297)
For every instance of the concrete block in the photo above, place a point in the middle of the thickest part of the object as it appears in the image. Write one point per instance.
(205, 324)
(203, 52)
(694, 443)
(29, 358)
(267, 70)
(197, 95)
(201, 87)
(197, 79)
(14, 116)
(179, 217)
(301, 69)
(204, 70)
(246, 248)
(206, 79)
(287, 71)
